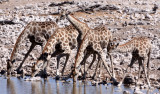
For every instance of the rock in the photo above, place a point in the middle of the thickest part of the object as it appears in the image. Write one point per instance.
(152, 76)
(94, 83)
(128, 80)
(3, 1)
(137, 91)
(142, 87)
(155, 8)
(117, 68)
(61, 3)
(33, 79)
(148, 17)
(126, 92)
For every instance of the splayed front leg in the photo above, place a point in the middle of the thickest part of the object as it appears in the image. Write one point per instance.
(27, 54)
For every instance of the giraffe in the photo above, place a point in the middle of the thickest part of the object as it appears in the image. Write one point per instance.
(38, 33)
(98, 39)
(77, 37)
(83, 29)
(66, 39)
(140, 47)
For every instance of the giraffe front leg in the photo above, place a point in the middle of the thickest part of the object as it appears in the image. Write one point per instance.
(95, 72)
(45, 65)
(94, 58)
(112, 65)
(9, 68)
(67, 58)
(139, 72)
(133, 60)
(57, 69)
(97, 47)
(100, 74)
(68, 55)
(105, 64)
(36, 68)
(144, 65)
(84, 62)
(26, 55)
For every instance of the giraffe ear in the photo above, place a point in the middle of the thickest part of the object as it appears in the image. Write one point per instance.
(13, 61)
(117, 44)
(8, 60)
(111, 43)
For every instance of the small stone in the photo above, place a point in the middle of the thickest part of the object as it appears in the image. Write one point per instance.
(128, 80)
(148, 17)
(33, 79)
(137, 91)
(126, 92)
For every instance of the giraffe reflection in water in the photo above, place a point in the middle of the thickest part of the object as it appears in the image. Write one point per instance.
(51, 86)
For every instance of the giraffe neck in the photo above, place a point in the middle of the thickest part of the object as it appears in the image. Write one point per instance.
(127, 47)
(35, 29)
(49, 48)
(80, 26)
(21, 37)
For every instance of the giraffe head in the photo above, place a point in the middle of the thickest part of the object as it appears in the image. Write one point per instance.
(63, 13)
(38, 65)
(112, 46)
(10, 63)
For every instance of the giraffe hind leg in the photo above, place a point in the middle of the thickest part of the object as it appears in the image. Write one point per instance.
(67, 57)
(94, 58)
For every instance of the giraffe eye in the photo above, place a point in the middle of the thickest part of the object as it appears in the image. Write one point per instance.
(111, 44)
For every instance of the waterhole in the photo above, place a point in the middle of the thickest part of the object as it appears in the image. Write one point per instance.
(51, 86)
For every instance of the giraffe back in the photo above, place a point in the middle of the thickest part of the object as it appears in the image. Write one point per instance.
(66, 36)
(99, 35)
(98, 38)
(38, 30)
(141, 44)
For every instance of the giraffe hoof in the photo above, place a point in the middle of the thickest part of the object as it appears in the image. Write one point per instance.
(119, 84)
(94, 83)
(114, 81)
(57, 77)
(19, 71)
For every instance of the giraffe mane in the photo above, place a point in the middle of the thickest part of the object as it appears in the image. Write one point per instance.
(127, 42)
(79, 49)
(78, 20)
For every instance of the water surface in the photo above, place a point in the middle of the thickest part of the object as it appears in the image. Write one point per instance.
(51, 86)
